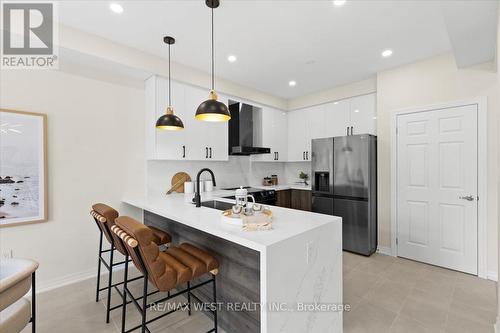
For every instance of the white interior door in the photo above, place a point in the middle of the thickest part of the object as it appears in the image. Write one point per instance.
(437, 187)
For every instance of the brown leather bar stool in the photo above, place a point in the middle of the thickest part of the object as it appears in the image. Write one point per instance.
(165, 270)
(104, 217)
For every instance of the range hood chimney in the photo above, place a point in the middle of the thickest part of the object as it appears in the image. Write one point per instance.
(241, 130)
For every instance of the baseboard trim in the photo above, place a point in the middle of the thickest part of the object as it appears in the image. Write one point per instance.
(76, 277)
(385, 250)
(66, 280)
(492, 275)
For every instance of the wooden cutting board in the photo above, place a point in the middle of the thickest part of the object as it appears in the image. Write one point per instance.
(178, 181)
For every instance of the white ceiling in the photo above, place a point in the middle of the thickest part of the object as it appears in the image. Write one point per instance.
(312, 42)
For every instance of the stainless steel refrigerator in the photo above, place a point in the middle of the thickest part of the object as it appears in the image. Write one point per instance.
(344, 183)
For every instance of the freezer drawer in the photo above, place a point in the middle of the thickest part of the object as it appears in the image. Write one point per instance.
(322, 204)
(359, 233)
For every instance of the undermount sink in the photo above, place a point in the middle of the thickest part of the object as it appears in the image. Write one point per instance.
(220, 205)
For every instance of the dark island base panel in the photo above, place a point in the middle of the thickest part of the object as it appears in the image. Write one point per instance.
(238, 281)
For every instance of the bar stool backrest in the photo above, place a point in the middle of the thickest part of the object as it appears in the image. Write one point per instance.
(105, 216)
(146, 253)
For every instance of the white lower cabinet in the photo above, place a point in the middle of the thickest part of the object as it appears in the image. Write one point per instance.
(199, 140)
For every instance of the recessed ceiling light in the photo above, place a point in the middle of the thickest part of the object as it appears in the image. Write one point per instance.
(386, 53)
(335, 103)
(232, 58)
(292, 83)
(116, 8)
(339, 3)
(356, 111)
(374, 118)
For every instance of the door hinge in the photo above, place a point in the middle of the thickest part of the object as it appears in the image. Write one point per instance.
(396, 241)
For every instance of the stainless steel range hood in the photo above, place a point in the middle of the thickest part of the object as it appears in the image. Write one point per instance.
(241, 130)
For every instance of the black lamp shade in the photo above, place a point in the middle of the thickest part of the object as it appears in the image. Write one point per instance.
(169, 122)
(213, 110)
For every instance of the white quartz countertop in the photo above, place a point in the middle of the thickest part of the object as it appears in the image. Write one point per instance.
(282, 187)
(287, 223)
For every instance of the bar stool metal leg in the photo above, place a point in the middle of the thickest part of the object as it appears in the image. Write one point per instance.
(189, 297)
(33, 303)
(124, 308)
(98, 269)
(215, 302)
(144, 301)
(110, 280)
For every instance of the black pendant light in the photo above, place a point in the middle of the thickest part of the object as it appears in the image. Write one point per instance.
(169, 121)
(212, 109)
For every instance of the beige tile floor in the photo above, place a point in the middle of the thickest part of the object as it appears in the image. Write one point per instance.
(390, 294)
(386, 295)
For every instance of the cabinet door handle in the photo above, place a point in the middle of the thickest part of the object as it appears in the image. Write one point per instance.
(183, 151)
(206, 152)
(347, 130)
(304, 155)
(277, 156)
(352, 130)
(307, 155)
(210, 150)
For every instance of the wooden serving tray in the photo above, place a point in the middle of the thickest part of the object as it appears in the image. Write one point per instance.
(260, 221)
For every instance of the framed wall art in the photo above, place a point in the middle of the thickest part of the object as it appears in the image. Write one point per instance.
(23, 167)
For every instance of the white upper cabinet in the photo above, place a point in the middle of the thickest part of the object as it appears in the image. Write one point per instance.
(355, 115)
(363, 115)
(270, 131)
(317, 126)
(287, 134)
(337, 118)
(299, 135)
(198, 141)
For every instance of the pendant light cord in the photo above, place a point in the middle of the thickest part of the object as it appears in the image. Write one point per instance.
(213, 66)
(169, 82)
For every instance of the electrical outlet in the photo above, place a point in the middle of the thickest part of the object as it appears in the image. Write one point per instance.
(7, 254)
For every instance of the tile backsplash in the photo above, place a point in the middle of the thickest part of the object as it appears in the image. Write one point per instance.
(239, 170)
(293, 169)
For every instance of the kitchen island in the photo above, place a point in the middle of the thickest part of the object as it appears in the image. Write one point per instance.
(288, 279)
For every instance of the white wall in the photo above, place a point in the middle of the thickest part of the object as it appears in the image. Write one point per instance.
(95, 153)
(497, 325)
(433, 81)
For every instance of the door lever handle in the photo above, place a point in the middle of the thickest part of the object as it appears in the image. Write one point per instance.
(467, 197)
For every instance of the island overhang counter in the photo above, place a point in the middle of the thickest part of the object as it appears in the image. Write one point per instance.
(287, 279)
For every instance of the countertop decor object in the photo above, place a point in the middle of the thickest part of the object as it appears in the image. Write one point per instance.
(178, 181)
(258, 221)
(304, 176)
(169, 121)
(212, 109)
(267, 181)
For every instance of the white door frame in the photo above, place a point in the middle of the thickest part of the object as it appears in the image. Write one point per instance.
(482, 211)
